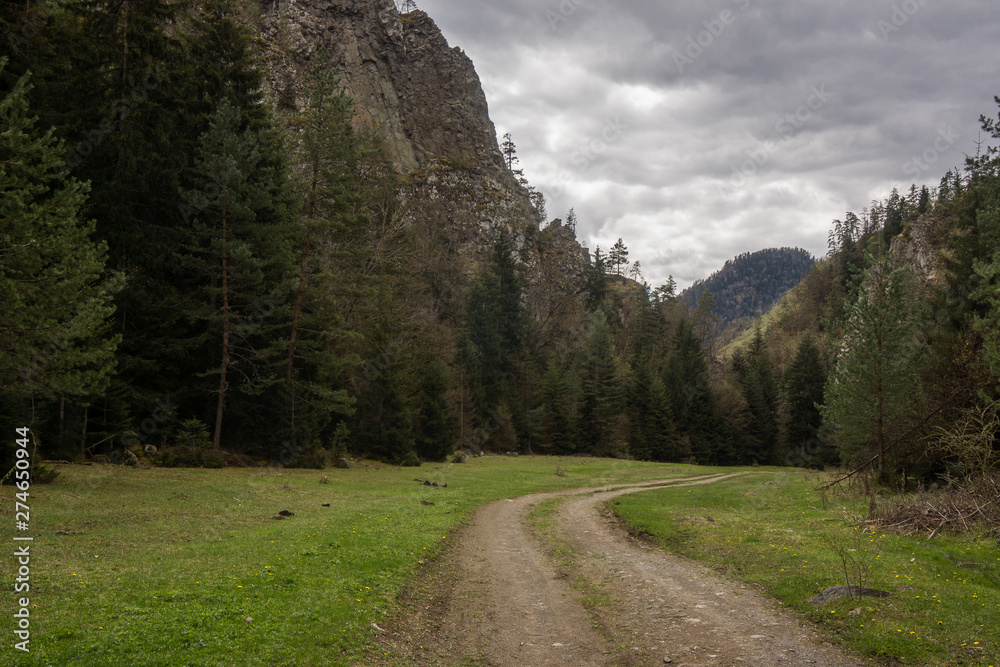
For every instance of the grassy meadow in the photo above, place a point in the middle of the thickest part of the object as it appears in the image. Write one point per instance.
(188, 566)
(774, 530)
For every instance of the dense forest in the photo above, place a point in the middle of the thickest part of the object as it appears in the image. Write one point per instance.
(750, 285)
(193, 275)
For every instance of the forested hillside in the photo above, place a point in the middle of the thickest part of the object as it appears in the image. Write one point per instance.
(750, 285)
(221, 243)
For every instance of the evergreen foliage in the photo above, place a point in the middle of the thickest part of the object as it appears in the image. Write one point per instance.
(600, 391)
(181, 265)
(494, 330)
(759, 388)
(596, 287)
(55, 338)
(651, 428)
(434, 423)
(618, 257)
(329, 219)
(692, 399)
(805, 379)
(871, 395)
(751, 284)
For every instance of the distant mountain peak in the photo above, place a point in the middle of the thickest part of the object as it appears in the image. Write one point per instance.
(750, 284)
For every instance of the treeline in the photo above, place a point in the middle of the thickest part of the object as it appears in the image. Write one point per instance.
(182, 265)
(901, 337)
(186, 269)
(751, 284)
(636, 381)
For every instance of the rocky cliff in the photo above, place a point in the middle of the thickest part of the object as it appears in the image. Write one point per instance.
(916, 249)
(426, 100)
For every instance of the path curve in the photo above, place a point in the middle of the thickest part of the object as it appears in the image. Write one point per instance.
(496, 599)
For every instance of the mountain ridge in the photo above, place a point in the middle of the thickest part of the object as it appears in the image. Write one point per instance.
(750, 284)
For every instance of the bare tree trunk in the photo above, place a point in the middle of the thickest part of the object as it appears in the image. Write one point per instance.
(217, 438)
(297, 312)
(83, 436)
(62, 421)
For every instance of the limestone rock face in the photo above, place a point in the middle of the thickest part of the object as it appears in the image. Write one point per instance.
(404, 78)
(425, 98)
(915, 248)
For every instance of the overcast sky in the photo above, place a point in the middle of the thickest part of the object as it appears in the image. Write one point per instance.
(700, 129)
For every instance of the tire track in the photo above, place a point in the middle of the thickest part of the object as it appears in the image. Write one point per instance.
(496, 599)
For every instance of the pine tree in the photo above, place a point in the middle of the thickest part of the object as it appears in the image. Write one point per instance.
(618, 257)
(509, 151)
(692, 400)
(596, 276)
(229, 249)
(571, 220)
(57, 299)
(872, 392)
(329, 217)
(434, 424)
(804, 382)
(760, 391)
(600, 394)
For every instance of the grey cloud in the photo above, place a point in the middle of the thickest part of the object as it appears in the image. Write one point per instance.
(667, 184)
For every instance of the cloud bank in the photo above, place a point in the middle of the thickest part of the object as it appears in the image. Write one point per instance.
(697, 130)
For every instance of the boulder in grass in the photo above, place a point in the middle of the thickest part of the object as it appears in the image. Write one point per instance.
(286, 513)
(840, 592)
(343, 463)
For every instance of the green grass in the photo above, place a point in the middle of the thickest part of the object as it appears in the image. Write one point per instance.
(188, 567)
(775, 531)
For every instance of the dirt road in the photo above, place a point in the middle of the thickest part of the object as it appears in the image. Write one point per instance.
(497, 598)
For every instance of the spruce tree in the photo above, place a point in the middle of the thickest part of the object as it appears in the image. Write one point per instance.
(494, 332)
(383, 421)
(596, 285)
(692, 400)
(804, 382)
(329, 218)
(55, 340)
(557, 400)
(760, 391)
(651, 429)
(230, 253)
(434, 424)
(987, 323)
(600, 390)
(872, 393)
